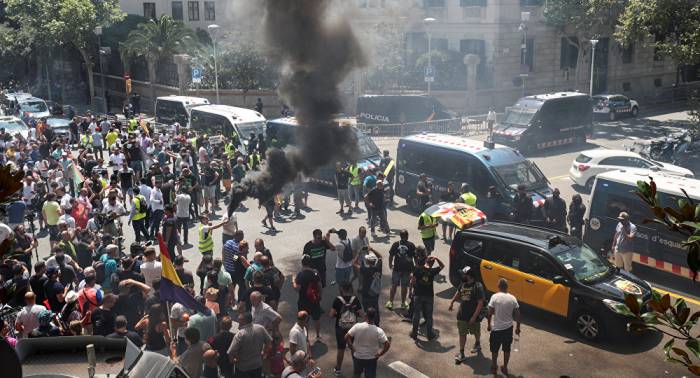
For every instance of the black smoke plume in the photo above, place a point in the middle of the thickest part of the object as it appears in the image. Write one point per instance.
(314, 55)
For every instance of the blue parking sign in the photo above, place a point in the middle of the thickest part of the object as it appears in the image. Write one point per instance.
(197, 75)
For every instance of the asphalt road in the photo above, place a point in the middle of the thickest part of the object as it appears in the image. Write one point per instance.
(549, 346)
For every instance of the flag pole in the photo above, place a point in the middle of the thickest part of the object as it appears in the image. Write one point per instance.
(170, 324)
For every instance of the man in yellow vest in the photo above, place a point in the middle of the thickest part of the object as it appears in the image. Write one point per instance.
(133, 124)
(467, 197)
(356, 184)
(86, 141)
(428, 229)
(139, 208)
(254, 161)
(206, 229)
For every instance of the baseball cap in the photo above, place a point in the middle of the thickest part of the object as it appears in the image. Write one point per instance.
(623, 216)
(52, 270)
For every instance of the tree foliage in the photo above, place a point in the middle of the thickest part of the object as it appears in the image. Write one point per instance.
(671, 26)
(673, 320)
(450, 70)
(387, 69)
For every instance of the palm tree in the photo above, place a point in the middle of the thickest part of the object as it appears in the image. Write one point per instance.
(155, 40)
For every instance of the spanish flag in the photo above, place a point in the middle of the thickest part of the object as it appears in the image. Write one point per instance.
(171, 288)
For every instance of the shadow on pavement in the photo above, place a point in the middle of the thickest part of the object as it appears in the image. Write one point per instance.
(561, 150)
(629, 344)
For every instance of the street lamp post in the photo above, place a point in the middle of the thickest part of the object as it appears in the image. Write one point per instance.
(524, 68)
(98, 33)
(427, 22)
(212, 29)
(593, 43)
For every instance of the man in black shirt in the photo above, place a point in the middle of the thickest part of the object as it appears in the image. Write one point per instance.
(377, 207)
(103, 316)
(126, 179)
(220, 343)
(38, 280)
(555, 211)
(316, 249)
(471, 294)
(522, 210)
(185, 275)
(120, 331)
(342, 178)
(308, 284)
(401, 256)
(424, 190)
(423, 294)
(54, 290)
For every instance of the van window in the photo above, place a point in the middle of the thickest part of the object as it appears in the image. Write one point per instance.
(504, 253)
(614, 204)
(212, 124)
(536, 264)
(169, 112)
(474, 247)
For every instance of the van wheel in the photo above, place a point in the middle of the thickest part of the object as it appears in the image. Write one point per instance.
(588, 325)
(589, 184)
(611, 116)
(635, 111)
(413, 204)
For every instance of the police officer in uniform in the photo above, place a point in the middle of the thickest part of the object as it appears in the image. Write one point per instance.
(428, 229)
(206, 230)
(254, 160)
(522, 206)
(138, 215)
(555, 211)
(356, 183)
(467, 197)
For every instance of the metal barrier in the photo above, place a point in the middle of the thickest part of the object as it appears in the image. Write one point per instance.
(9, 315)
(458, 126)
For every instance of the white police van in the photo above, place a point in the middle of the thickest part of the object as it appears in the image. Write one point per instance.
(171, 109)
(225, 120)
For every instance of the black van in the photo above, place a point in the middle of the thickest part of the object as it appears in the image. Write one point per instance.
(377, 109)
(549, 270)
(545, 121)
(493, 172)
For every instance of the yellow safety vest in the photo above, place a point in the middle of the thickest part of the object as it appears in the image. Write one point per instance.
(469, 198)
(230, 150)
(194, 142)
(427, 233)
(206, 243)
(86, 140)
(355, 172)
(133, 123)
(253, 161)
(137, 202)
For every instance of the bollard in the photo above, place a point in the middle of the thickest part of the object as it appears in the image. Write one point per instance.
(92, 360)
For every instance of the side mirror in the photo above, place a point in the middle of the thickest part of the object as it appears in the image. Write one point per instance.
(560, 280)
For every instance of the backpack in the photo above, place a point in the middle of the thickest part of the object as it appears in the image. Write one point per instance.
(99, 267)
(346, 255)
(375, 287)
(313, 292)
(347, 317)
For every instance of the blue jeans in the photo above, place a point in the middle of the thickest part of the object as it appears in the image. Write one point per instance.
(342, 275)
(156, 217)
(424, 305)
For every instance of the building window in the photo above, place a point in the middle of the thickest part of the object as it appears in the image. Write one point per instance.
(193, 10)
(657, 82)
(149, 11)
(626, 86)
(569, 53)
(527, 57)
(177, 10)
(531, 3)
(472, 3)
(628, 54)
(210, 10)
(434, 3)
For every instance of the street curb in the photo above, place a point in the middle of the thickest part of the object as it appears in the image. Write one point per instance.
(404, 370)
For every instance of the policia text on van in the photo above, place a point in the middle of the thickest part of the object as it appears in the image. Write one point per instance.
(548, 270)
(493, 174)
(545, 121)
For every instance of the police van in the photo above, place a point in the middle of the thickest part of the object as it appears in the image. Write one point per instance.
(223, 120)
(493, 171)
(548, 270)
(654, 245)
(545, 121)
(172, 109)
(283, 131)
(374, 109)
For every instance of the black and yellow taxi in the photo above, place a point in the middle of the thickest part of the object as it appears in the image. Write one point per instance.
(548, 270)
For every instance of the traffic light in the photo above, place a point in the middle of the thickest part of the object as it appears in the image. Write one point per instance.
(128, 86)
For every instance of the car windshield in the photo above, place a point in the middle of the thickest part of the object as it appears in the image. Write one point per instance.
(366, 146)
(522, 172)
(14, 125)
(581, 261)
(598, 99)
(34, 106)
(58, 122)
(246, 128)
(519, 116)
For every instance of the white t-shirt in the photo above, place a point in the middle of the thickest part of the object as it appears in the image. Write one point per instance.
(264, 315)
(182, 205)
(503, 305)
(28, 317)
(51, 262)
(117, 159)
(367, 340)
(339, 249)
(145, 191)
(151, 270)
(298, 336)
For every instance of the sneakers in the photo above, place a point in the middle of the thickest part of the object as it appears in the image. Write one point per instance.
(336, 372)
(404, 305)
(477, 348)
(389, 305)
(459, 358)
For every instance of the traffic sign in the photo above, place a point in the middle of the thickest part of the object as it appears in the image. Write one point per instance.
(197, 75)
(429, 74)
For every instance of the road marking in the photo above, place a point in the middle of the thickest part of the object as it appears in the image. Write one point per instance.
(558, 177)
(404, 370)
(691, 300)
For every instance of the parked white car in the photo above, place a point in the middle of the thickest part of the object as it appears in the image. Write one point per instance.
(588, 164)
(13, 125)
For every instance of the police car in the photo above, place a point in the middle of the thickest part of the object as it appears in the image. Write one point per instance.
(548, 270)
(614, 105)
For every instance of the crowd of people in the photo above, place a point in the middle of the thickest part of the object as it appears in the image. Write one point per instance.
(78, 192)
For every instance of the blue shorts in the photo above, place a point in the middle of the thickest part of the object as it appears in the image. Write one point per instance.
(400, 278)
